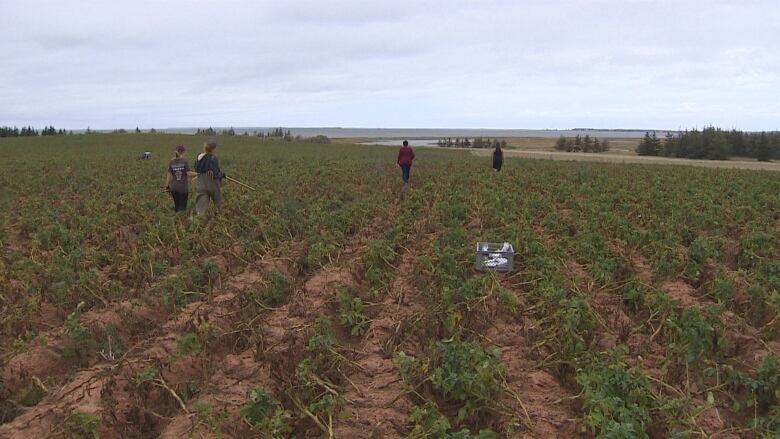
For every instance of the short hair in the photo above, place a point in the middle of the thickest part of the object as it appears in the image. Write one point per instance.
(211, 144)
(406, 143)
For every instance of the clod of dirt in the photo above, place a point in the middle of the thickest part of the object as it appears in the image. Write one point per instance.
(642, 268)
(328, 276)
(245, 280)
(39, 361)
(680, 291)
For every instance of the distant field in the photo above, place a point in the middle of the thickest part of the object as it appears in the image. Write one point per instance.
(618, 145)
(622, 150)
(335, 302)
(612, 157)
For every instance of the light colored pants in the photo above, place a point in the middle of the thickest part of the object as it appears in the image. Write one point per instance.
(207, 189)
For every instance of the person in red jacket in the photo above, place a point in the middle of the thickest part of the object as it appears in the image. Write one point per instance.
(405, 158)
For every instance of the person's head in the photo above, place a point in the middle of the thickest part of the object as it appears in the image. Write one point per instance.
(180, 151)
(406, 143)
(210, 146)
(498, 145)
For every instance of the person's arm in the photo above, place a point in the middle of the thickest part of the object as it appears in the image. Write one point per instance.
(168, 177)
(411, 152)
(398, 160)
(189, 172)
(218, 174)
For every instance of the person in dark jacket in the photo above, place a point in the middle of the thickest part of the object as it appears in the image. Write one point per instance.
(498, 157)
(176, 179)
(405, 159)
(209, 180)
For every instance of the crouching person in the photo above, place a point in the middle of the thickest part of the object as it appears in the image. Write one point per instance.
(209, 181)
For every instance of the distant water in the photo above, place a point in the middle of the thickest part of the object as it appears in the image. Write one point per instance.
(428, 133)
(412, 142)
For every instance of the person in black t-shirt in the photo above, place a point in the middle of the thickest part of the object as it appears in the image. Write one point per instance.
(176, 179)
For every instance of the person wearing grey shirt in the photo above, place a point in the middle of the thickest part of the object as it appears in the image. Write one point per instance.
(176, 179)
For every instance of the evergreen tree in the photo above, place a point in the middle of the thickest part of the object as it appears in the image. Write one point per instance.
(718, 147)
(587, 144)
(561, 144)
(648, 145)
(763, 150)
(669, 146)
(656, 142)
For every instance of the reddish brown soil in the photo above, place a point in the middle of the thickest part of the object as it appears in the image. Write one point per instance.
(376, 398)
(551, 408)
(642, 268)
(682, 292)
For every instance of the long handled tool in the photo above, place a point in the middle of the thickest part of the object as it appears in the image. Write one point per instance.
(239, 183)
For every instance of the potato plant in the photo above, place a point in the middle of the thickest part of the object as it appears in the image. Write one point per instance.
(646, 297)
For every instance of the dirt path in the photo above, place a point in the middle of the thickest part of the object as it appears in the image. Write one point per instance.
(378, 410)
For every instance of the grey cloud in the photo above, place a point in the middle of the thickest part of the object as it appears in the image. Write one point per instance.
(498, 63)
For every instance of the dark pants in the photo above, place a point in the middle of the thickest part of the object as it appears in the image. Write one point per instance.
(497, 165)
(405, 172)
(180, 201)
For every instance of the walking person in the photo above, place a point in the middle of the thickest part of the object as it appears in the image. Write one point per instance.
(405, 159)
(209, 181)
(176, 179)
(498, 157)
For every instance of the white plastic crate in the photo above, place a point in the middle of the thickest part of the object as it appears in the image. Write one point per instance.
(495, 256)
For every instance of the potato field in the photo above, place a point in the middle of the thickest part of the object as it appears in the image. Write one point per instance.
(335, 302)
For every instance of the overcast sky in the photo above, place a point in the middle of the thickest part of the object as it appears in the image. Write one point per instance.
(359, 63)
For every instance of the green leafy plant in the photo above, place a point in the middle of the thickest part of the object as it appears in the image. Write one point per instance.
(188, 344)
(82, 425)
(409, 367)
(508, 300)
(617, 399)
(698, 334)
(276, 290)
(208, 416)
(351, 312)
(79, 340)
(466, 373)
(265, 414)
(429, 423)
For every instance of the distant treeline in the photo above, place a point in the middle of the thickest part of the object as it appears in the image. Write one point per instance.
(6, 131)
(478, 142)
(713, 144)
(582, 144)
(274, 134)
(278, 133)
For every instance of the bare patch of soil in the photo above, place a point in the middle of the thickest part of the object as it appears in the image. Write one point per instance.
(83, 393)
(327, 277)
(642, 268)
(548, 403)
(683, 293)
